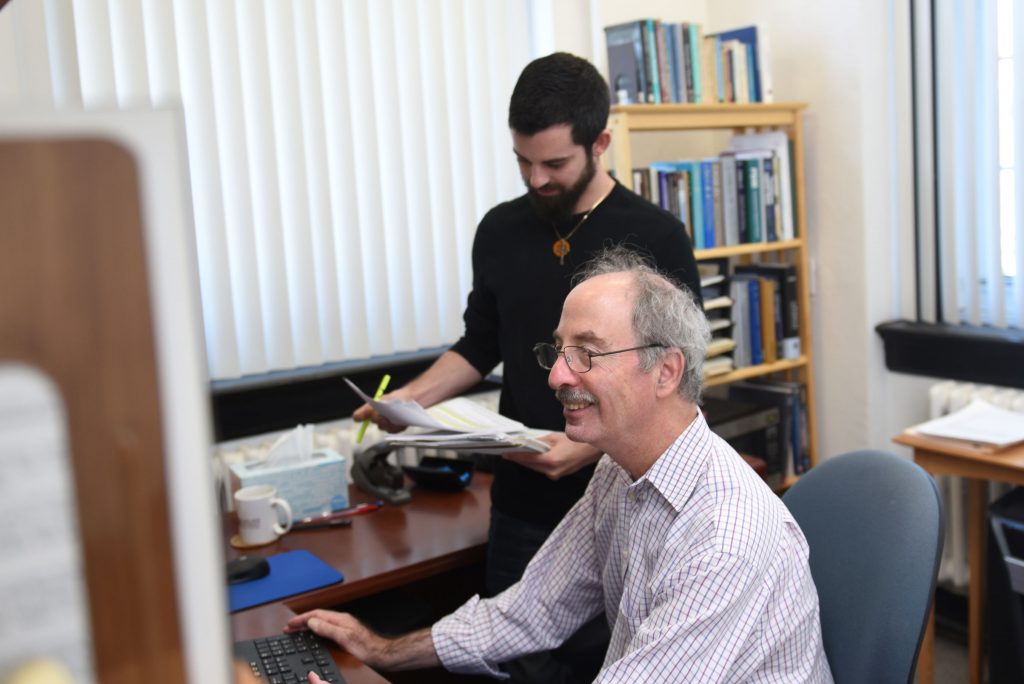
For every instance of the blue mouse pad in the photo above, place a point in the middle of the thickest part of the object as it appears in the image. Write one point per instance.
(292, 572)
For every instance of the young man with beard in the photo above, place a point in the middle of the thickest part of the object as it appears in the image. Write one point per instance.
(699, 568)
(524, 255)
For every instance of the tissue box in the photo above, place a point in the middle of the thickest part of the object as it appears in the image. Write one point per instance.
(311, 487)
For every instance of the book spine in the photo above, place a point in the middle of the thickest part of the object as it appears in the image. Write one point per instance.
(716, 182)
(695, 33)
(768, 317)
(768, 190)
(625, 63)
(680, 61)
(741, 199)
(729, 221)
(719, 70)
(672, 59)
(688, 62)
(663, 196)
(756, 348)
(753, 184)
(697, 204)
(663, 68)
(739, 314)
(684, 203)
(708, 199)
(653, 71)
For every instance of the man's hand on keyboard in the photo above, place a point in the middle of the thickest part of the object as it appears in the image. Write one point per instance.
(412, 651)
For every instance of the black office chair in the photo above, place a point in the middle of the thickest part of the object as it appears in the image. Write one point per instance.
(873, 522)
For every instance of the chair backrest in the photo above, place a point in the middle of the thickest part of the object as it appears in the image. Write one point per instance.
(873, 522)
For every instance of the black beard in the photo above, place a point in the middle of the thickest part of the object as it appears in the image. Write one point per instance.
(561, 207)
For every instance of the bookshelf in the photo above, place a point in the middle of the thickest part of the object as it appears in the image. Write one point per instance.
(627, 121)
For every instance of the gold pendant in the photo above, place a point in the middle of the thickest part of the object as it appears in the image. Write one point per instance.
(560, 249)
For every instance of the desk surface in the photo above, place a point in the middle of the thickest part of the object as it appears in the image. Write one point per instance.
(978, 464)
(395, 545)
(951, 457)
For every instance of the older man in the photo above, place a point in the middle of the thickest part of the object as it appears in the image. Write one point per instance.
(698, 566)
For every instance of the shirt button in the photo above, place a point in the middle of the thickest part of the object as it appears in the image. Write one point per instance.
(631, 496)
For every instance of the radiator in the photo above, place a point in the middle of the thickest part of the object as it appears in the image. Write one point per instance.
(944, 397)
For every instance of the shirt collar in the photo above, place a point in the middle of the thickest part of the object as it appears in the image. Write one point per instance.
(676, 472)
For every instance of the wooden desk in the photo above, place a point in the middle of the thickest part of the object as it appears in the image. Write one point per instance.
(434, 533)
(978, 466)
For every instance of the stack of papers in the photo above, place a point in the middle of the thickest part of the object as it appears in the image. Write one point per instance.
(457, 424)
(979, 422)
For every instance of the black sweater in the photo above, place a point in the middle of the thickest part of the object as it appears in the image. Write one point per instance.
(516, 301)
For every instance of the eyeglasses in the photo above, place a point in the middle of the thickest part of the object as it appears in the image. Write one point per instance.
(578, 359)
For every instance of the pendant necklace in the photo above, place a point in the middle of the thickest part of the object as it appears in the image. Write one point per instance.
(561, 246)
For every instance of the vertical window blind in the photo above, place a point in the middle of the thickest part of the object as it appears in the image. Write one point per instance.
(340, 153)
(969, 77)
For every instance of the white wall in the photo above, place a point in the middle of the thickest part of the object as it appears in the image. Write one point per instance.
(845, 58)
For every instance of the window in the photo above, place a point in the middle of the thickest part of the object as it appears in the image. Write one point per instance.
(969, 133)
(968, 111)
(340, 153)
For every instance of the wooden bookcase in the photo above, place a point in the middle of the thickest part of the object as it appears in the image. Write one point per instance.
(627, 121)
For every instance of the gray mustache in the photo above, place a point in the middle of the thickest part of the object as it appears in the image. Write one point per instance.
(574, 396)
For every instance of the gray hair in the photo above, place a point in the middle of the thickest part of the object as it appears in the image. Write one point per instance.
(664, 312)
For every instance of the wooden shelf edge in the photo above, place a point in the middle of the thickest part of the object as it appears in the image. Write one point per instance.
(747, 248)
(755, 371)
(651, 117)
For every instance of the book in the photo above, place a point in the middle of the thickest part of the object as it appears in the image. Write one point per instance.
(708, 76)
(788, 304)
(695, 36)
(755, 39)
(778, 143)
(730, 222)
(768, 193)
(716, 200)
(741, 199)
(696, 197)
(754, 312)
(785, 401)
(663, 70)
(717, 366)
(720, 345)
(651, 64)
(739, 292)
(752, 199)
(672, 53)
(720, 302)
(626, 81)
(768, 319)
(754, 185)
(707, 182)
(751, 429)
(688, 65)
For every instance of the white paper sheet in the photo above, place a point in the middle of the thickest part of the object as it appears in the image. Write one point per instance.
(979, 422)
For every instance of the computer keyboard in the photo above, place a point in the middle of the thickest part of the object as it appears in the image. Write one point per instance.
(286, 658)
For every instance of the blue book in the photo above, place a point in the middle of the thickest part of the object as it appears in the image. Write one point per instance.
(697, 204)
(756, 345)
(652, 62)
(695, 60)
(753, 285)
(708, 201)
(748, 36)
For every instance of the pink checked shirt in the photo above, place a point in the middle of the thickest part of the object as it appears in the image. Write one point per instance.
(698, 566)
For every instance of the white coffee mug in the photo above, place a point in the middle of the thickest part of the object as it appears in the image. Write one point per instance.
(259, 511)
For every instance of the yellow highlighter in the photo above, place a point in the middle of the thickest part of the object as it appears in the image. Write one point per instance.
(376, 395)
